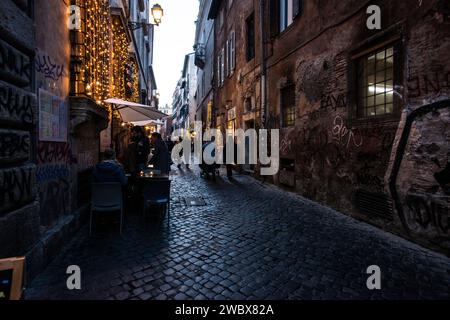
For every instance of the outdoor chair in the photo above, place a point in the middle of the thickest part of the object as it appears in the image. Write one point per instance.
(157, 193)
(106, 197)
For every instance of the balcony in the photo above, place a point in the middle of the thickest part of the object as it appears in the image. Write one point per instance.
(200, 55)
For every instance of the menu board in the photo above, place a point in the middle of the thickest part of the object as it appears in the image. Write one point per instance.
(11, 278)
(5, 284)
(53, 117)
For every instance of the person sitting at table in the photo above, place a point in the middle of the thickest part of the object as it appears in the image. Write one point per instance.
(109, 170)
(160, 159)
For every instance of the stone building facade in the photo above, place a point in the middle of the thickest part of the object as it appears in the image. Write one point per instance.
(184, 102)
(204, 60)
(51, 117)
(237, 81)
(19, 204)
(363, 114)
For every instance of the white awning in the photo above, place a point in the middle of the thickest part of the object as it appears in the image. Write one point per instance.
(148, 123)
(134, 112)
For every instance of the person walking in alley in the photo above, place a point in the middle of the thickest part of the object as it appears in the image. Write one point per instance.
(229, 164)
(180, 140)
(141, 148)
(109, 170)
(160, 159)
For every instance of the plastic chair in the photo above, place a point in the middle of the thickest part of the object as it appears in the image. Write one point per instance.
(106, 197)
(157, 192)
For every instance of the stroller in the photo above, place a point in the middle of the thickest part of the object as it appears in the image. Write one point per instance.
(209, 170)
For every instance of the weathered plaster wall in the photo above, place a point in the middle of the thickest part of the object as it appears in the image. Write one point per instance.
(420, 175)
(55, 159)
(346, 162)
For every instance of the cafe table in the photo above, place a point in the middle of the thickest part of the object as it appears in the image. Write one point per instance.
(154, 187)
(151, 174)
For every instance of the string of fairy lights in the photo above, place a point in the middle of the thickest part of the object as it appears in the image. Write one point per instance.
(119, 58)
(106, 70)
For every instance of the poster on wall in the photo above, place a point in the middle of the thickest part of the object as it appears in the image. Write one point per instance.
(11, 278)
(53, 117)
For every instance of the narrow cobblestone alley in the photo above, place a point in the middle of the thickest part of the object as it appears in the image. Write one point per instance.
(249, 241)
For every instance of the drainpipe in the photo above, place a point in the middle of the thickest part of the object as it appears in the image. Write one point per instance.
(263, 65)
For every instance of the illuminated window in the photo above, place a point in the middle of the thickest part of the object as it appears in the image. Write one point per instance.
(288, 105)
(376, 83)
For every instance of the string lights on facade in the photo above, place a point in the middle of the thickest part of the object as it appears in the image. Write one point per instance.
(101, 63)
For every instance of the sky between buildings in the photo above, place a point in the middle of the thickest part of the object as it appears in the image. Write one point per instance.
(174, 38)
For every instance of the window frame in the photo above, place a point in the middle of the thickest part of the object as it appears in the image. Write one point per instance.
(231, 54)
(287, 14)
(222, 66)
(284, 108)
(250, 37)
(355, 113)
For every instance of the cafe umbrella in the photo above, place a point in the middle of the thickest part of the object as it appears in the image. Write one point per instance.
(133, 112)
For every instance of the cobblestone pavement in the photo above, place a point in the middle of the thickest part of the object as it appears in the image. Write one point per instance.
(250, 241)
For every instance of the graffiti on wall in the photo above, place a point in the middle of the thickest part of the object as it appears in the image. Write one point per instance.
(333, 101)
(54, 191)
(49, 152)
(16, 105)
(16, 186)
(14, 145)
(420, 179)
(428, 83)
(47, 67)
(427, 212)
(344, 136)
(54, 179)
(14, 64)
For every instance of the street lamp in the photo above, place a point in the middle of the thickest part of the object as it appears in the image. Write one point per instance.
(157, 14)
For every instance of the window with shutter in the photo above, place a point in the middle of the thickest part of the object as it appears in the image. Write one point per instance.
(288, 10)
(222, 67)
(274, 17)
(227, 58)
(250, 28)
(219, 66)
(233, 51)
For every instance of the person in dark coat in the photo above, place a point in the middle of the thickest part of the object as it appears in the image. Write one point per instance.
(160, 159)
(229, 166)
(142, 147)
(109, 170)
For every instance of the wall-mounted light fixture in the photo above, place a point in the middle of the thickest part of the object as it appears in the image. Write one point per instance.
(157, 14)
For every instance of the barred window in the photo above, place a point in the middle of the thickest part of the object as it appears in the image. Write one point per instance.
(288, 105)
(376, 83)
